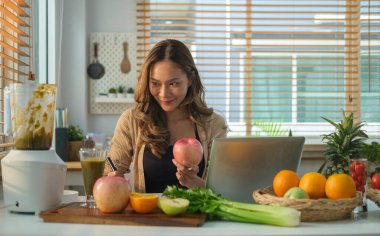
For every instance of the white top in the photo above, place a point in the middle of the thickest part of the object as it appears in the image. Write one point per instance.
(21, 224)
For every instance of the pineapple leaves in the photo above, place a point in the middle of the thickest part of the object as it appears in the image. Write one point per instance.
(344, 143)
(331, 122)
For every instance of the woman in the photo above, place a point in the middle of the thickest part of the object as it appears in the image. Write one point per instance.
(170, 106)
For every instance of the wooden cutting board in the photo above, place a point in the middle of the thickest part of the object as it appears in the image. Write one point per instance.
(74, 213)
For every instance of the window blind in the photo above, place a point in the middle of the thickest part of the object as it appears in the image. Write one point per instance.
(277, 61)
(15, 52)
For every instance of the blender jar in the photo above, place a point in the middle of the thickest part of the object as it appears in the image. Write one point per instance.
(32, 112)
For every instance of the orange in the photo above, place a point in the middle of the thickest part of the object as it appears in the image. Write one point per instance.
(314, 184)
(283, 181)
(340, 186)
(143, 202)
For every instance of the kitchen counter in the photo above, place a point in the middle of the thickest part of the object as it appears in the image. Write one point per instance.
(30, 224)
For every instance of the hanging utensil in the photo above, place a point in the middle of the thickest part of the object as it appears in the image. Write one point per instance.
(125, 65)
(95, 70)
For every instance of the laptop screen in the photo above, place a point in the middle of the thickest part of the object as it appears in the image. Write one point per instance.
(239, 166)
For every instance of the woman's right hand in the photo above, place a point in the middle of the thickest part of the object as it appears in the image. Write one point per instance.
(187, 175)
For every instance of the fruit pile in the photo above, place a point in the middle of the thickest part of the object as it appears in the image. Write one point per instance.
(112, 195)
(313, 185)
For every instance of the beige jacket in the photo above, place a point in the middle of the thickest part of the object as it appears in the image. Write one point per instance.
(124, 149)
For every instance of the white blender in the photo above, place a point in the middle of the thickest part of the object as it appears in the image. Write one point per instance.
(33, 174)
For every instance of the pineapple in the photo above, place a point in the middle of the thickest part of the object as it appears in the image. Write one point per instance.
(342, 145)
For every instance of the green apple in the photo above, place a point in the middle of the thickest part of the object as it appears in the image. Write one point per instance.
(173, 206)
(296, 193)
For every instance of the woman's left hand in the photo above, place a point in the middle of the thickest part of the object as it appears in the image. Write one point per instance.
(187, 175)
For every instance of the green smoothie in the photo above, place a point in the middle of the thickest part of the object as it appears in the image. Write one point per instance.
(92, 170)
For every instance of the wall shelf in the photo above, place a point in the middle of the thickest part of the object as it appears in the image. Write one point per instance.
(113, 100)
(111, 54)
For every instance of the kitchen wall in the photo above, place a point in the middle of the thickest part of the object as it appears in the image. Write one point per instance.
(80, 18)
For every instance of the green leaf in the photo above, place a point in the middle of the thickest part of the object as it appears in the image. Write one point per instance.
(331, 122)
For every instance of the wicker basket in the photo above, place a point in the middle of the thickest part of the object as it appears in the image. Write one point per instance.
(311, 209)
(374, 195)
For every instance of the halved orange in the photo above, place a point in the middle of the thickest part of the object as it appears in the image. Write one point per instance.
(143, 202)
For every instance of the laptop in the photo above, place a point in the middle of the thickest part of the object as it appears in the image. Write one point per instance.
(239, 166)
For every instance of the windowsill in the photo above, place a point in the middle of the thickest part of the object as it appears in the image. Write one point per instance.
(313, 151)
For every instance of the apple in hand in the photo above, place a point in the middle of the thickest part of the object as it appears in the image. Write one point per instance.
(111, 193)
(188, 149)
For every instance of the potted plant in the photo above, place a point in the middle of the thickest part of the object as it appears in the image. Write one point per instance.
(120, 91)
(130, 92)
(112, 92)
(343, 144)
(75, 142)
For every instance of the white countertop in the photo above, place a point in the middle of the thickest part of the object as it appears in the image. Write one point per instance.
(26, 224)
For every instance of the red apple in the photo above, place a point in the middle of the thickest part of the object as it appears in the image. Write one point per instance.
(375, 181)
(188, 149)
(111, 193)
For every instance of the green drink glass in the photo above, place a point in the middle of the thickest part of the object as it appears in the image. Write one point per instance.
(92, 162)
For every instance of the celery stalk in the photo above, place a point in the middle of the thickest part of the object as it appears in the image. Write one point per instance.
(205, 201)
(281, 216)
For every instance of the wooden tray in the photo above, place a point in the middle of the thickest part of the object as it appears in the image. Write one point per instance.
(74, 213)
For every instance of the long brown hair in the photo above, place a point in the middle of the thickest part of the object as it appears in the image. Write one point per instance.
(151, 118)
